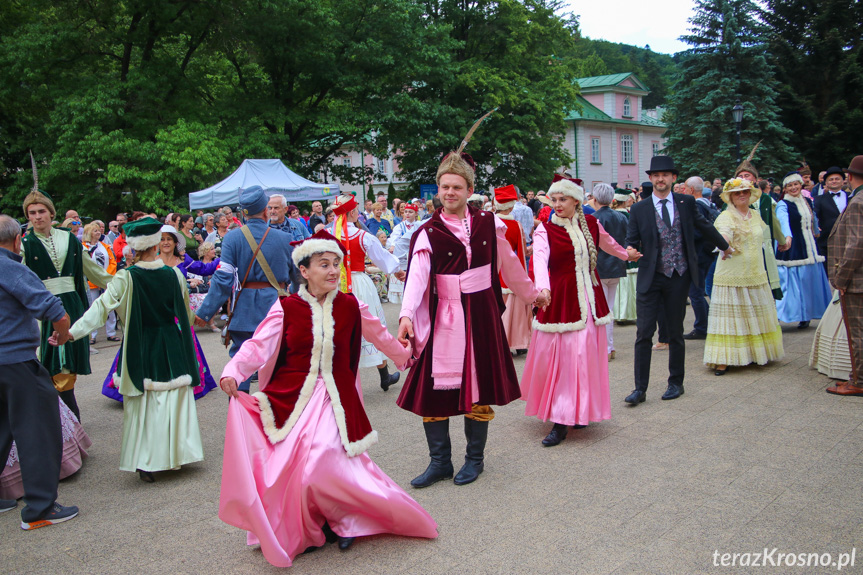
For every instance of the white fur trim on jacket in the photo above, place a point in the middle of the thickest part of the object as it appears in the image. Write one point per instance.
(153, 265)
(582, 280)
(323, 328)
(150, 385)
(566, 188)
(311, 247)
(812, 256)
(504, 206)
(176, 383)
(141, 243)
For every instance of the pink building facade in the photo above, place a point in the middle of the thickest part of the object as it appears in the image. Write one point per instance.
(613, 138)
(386, 171)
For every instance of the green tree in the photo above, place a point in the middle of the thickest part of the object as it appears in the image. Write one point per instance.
(817, 51)
(514, 56)
(136, 104)
(727, 62)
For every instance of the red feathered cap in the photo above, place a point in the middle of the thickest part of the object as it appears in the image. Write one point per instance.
(412, 207)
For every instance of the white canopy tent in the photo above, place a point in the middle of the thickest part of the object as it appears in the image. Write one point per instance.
(272, 175)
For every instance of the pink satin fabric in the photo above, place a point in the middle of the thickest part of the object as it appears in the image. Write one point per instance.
(565, 377)
(448, 360)
(282, 494)
(517, 319)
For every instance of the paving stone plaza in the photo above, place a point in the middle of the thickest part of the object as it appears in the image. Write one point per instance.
(760, 458)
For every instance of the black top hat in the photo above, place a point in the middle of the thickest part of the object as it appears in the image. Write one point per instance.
(646, 189)
(662, 164)
(834, 170)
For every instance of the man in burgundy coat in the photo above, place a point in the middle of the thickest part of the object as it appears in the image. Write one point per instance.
(452, 311)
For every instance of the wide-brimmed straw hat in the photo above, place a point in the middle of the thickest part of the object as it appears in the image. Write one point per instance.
(740, 185)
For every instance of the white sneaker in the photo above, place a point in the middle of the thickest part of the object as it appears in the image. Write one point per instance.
(93, 351)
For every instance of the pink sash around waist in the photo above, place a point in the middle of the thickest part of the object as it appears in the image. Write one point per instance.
(450, 333)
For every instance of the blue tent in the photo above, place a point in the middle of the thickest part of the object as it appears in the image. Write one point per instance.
(272, 175)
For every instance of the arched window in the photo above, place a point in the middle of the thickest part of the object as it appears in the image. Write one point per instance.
(627, 108)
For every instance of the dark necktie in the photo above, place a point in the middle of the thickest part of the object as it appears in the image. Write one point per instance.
(665, 217)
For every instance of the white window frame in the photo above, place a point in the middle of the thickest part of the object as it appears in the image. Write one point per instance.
(627, 107)
(595, 150)
(346, 162)
(627, 155)
(654, 148)
(382, 166)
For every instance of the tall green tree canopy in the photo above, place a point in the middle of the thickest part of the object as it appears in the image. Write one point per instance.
(515, 56)
(135, 104)
(816, 48)
(727, 62)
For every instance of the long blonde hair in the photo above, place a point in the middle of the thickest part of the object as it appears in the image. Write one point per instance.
(591, 247)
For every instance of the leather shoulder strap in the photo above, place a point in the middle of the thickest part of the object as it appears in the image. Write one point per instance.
(262, 261)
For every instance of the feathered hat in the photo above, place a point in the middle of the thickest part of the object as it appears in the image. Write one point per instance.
(746, 165)
(35, 196)
(460, 163)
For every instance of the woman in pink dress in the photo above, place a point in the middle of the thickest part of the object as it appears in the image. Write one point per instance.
(566, 374)
(296, 472)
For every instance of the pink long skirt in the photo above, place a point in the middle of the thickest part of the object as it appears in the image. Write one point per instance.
(565, 376)
(75, 445)
(282, 494)
(516, 318)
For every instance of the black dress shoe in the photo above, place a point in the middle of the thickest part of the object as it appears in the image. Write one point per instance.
(146, 476)
(803, 325)
(673, 391)
(720, 371)
(345, 542)
(695, 335)
(576, 426)
(329, 533)
(636, 397)
(556, 435)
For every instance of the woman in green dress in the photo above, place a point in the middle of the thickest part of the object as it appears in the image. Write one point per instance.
(157, 370)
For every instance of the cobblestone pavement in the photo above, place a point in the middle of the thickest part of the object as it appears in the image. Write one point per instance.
(761, 457)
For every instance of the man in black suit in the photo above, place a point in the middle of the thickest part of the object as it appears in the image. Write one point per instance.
(662, 227)
(828, 205)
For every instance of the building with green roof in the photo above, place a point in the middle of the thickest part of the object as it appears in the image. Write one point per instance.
(611, 137)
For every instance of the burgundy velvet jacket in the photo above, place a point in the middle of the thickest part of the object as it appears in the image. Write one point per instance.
(323, 338)
(498, 383)
(571, 285)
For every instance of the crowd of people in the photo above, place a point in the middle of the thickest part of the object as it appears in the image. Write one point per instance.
(479, 279)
